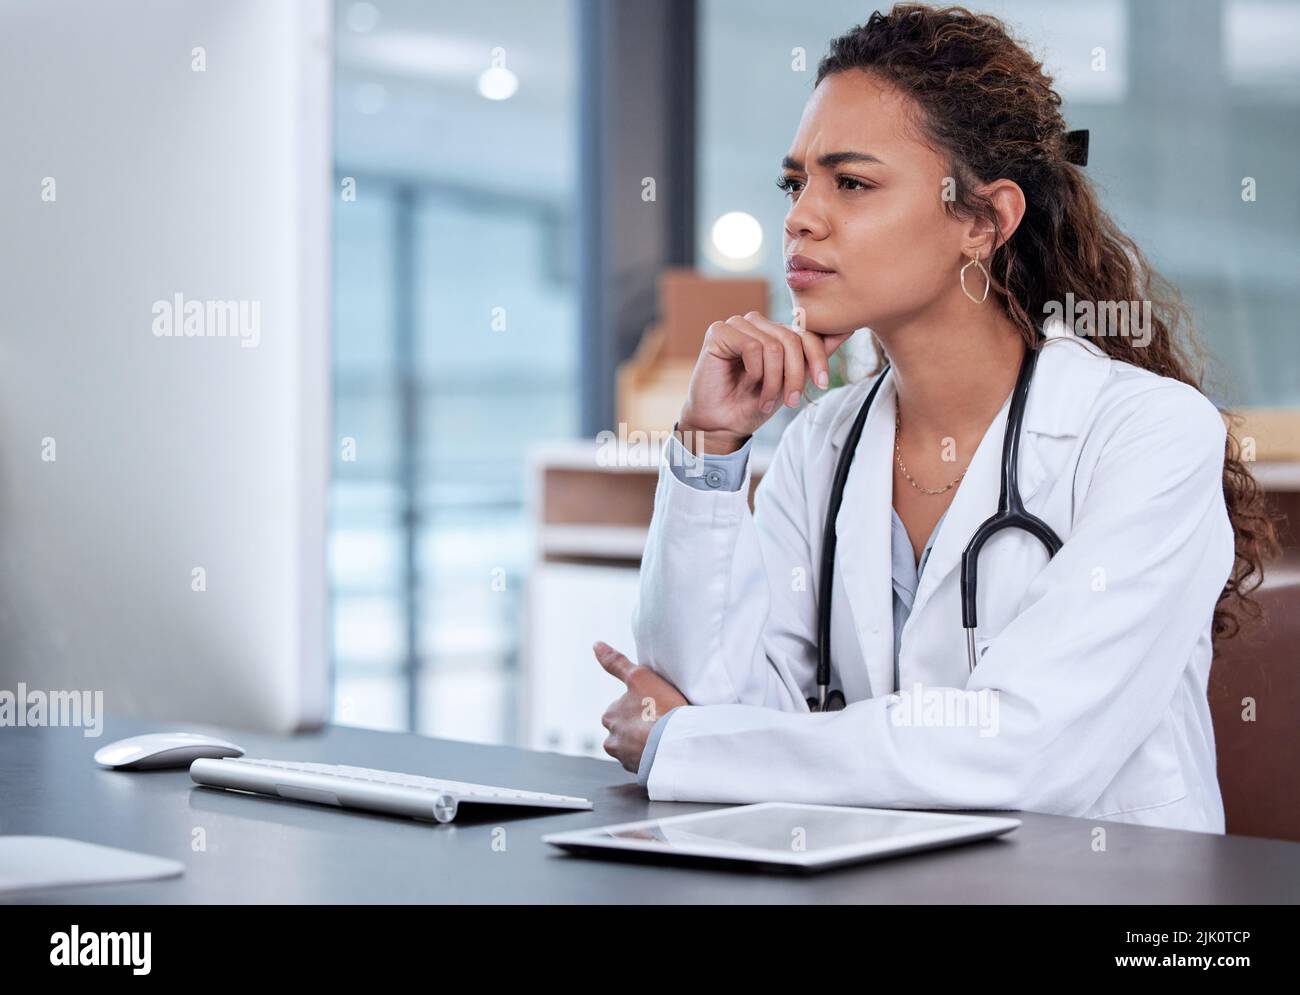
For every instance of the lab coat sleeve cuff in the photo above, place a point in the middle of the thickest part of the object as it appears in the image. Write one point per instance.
(651, 745)
(707, 472)
(679, 503)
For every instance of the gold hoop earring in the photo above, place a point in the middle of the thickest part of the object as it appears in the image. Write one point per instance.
(975, 261)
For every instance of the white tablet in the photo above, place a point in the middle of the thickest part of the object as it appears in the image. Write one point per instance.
(803, 837)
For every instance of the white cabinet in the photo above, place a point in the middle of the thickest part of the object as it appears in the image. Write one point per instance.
(589, 514)
(565, 690)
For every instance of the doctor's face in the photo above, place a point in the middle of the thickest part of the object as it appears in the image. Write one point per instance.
(866, 203)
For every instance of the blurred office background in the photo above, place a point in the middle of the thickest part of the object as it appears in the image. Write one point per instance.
(450, 199)
(469, 130)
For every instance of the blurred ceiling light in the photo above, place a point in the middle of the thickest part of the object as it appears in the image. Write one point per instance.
(370, 98)
(498, 83)
(737, 236)
(362, 17)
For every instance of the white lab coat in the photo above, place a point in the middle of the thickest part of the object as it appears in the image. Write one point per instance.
(1098, 658)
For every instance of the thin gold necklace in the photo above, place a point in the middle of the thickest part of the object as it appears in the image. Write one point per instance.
(898, 457)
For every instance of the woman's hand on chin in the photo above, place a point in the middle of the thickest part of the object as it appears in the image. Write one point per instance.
(747, 368)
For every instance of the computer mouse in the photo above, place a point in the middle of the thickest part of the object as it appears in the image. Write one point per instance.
(164, 749)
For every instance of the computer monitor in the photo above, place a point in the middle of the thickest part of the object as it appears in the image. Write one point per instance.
(165, 191)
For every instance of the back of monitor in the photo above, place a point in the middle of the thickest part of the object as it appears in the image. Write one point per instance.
(164, 198)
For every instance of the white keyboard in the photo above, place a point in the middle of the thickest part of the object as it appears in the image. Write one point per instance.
(363, 788)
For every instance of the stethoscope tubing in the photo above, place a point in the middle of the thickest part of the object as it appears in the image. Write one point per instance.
(1010, 514)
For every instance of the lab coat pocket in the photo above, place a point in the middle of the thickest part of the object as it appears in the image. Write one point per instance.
(1151, 777)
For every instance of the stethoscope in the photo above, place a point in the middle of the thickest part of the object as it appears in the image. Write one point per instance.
(1011, 514)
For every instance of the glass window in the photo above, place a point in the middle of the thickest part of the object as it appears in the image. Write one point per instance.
(455, 346)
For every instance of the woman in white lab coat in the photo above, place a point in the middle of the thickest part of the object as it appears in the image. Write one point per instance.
(937, 199)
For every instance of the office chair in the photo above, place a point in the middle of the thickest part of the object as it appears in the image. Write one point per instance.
(1259, 761)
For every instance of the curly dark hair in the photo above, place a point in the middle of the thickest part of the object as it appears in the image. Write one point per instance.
(986, 103)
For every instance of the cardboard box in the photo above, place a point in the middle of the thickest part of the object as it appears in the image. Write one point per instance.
(651, 386)
(689, 302)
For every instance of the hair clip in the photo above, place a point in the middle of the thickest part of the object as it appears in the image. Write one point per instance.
(1076, 147)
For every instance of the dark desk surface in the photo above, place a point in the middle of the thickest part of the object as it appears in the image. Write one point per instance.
(267, 850)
